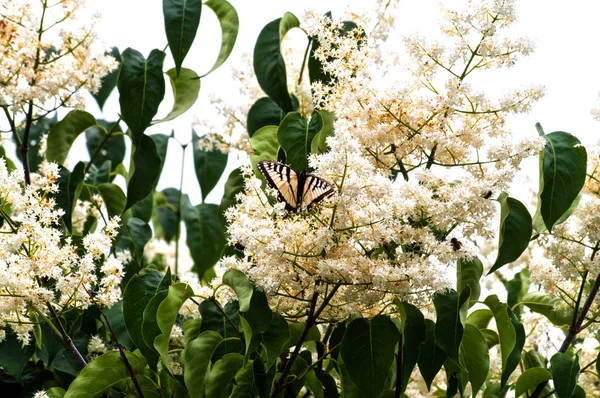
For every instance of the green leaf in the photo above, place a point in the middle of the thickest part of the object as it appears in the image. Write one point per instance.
(186, 88)
(529, 379)
(494, 390)
(102, 148)
(547, 305)
(515, 231)
(318, 144)
(168, 309)
(414, 334)
(233, 186)
(511, 334)
(208, 164)
(491, 337)
(224, 321)
(263, 112)
(256, 320)
(368, 353)
(56, 392)
(196, 360)
(229, 21)
(137, 295)
(432, 357)
(13, 356)
(245, 384)
(141, 87)
(449, 326)
(204, 235)
(117, 323)
(515, 289)
(113, 197)
(109, 81)
(140, 233)
(296, 329)
(295, 135)
(468, 273)
(265, 145)
(63, 134)
(38, 129)
(98, 175)
(222, 375)
(563, 164)
(103, 373)
(475, 357)
(480, 318)
(241, 285)
(269, 65)
(165, 213)
(146, 171)
(565, 371)
(182, 18)
(275, 338)
(69, 189)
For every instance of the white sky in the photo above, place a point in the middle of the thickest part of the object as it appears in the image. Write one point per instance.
(565, 61)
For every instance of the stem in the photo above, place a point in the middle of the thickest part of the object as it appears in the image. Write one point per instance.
(178, 213)
(573, 329)
(399, 365)
(107, 135)
(122, 353)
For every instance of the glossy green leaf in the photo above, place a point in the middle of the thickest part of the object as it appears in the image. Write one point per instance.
(146, 171)
(182, 18)
(269, 65)
(318, 144)
(565, 372)
(141, 85)
(65, 361)
(529, 379)
(139, 233)
(598, 363)
(256, 320)
(265, 145)
(224, 321)
(208, 164)
(449, 326)
(64, 133)
(349, 389)
(494, 390)
(515, 231)
(150, 329)
(55, 392)
(480, 318)
(511, 334)
(468, 273)
(230, 24)
(264, 112)
(515, 289)
(275, 338)
(204, 235)
(186, 87)
(579, 392)
(222, 374)
(103, 373)
(563, 165)
(166, 206)
(491, 337)
(414, 334)
(102, 147)
(241, 285)
(143, 209)
(368, 352)
(109, 81)
(432, 356)
(245, 383)
(97, 175)
(69, 189)
(196, 360)
(138, 293)
(547, 305)
(38, 129)
(13, 356)
(179, 293)
(113, 197)
(295, 135)
(474, 356)
(117, 323)
(233, 186)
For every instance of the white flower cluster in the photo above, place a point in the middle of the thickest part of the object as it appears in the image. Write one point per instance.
(415, 163)
(40, 269)
(46, 56)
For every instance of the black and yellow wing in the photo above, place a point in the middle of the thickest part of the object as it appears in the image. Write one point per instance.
(295, 189)
(284, 179)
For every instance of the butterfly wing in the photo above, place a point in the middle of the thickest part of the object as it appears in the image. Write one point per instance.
(315, 189)
(282, 178)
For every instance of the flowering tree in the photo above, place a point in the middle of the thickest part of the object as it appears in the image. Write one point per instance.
(348, 252)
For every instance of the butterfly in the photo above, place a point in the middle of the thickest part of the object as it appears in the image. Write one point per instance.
(297, 190)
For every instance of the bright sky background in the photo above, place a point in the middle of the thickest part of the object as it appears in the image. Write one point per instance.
(565, 61)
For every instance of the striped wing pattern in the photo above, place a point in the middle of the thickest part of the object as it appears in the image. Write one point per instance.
(295, 189)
